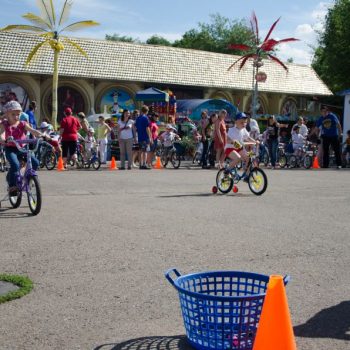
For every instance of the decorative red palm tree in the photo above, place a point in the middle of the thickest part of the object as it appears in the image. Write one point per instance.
(259, 51)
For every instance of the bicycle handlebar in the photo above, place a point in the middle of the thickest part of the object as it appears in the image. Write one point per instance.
(17, 143)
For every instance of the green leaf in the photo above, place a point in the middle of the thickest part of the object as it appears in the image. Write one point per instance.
(37, 21)
(14, 27)
(65, 11)
(34, 51)
(79, 25)
(75, 45)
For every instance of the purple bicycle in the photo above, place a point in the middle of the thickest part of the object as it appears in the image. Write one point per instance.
(27, 179)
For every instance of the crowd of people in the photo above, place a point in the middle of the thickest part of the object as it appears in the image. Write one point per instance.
(138, 137)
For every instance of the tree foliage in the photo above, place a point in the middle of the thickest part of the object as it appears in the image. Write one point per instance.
(331, 59)
(214, 36)
(158, 40)
(123, 38)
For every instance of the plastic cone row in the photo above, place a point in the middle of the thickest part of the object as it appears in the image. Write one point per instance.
(60, 166)
(315, 164)
(275, 330)
(158, 164)
(113, 165)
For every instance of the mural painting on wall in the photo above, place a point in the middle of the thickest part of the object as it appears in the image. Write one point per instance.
(115, 101)
(9, 91)
(260, 109)
(67, 97)
(289, 109)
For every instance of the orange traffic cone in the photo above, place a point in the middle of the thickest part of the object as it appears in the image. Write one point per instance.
(113, 165)
(315, 164)
(275, 330)
(158, 164)
(60, 166)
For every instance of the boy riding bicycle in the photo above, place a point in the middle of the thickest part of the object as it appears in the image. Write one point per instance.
(168, 138)
(237, 138)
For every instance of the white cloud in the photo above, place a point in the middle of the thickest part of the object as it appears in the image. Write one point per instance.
(306, 33)
(300, 52)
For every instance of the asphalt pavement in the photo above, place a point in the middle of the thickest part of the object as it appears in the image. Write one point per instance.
(98, 250)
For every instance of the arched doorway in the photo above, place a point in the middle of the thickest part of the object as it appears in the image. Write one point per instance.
(289, 109)
(68, 96)
(13, 91)
(115, 100)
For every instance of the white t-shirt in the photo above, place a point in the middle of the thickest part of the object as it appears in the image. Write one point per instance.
(126, 133)
(236, 134)
(168, 138)
(303, 131)
(298, 141)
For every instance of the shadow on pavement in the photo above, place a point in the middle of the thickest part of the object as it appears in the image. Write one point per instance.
(9, 213)
(333, 322)
(209, 194)
(176, 342)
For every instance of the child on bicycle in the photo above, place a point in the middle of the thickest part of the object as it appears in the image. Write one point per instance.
(346, 150)
(168, 138)
(90, 143)
(11, 126)
(298, 140)
(237, 138)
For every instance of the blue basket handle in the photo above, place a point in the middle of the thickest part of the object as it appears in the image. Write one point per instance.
(168, 277)
(286, 279)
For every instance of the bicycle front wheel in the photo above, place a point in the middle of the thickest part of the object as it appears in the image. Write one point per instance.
(175, 160)
(282, 161)
(307, 163)
(34, 195)
(257, 181)
(50, 160)
(96, 163)
(224, 181)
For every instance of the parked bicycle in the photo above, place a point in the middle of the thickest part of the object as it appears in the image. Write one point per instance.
(93, 160)
(27, 178)
(253, 175)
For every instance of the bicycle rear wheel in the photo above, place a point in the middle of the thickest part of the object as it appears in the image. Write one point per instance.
(224, 181)
(34, 195)
(2, 163)
(293, 161)
(16, 200)
(257, 181)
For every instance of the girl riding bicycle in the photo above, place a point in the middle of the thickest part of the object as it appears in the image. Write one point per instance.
(11, 126)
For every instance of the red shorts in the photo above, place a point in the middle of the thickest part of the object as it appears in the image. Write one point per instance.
(229, 150)
(54, 143)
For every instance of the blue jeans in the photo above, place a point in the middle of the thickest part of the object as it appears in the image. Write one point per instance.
(273, 146)
(13, 156)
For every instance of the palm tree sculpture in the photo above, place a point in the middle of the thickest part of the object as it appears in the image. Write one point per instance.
(257, 53)
(50, 28)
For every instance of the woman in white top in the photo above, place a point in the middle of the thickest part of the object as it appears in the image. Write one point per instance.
(126, 136)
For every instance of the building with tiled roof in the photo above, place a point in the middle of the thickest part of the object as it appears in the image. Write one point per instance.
(127, 68)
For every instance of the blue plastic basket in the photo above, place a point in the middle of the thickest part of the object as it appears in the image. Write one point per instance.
(221, 309)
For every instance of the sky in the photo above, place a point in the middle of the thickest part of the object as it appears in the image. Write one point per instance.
(301, 19)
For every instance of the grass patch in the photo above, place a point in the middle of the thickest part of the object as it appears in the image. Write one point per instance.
(24, 283)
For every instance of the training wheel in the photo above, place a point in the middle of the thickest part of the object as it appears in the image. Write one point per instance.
(235, 189)
(214, 189)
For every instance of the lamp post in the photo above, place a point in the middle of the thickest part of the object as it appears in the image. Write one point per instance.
(257, 63)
